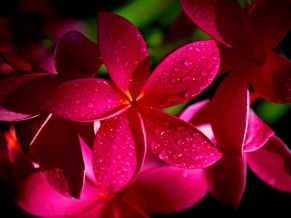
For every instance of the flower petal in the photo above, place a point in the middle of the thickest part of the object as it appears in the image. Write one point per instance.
(258, 133)
(225, 21)
(19, 64)
(227, 180)
(21, 96)
(124, 52)
(166, 189)
(268, 23)
(4, 159)
(60, 156)
(76, 56)
(231, 59)
(37, 198)
(229, 112)
(86, 100)
(273, 80)
(272, 164)
(119, 151)
(182, 75)
(176, 142)
(27, 129)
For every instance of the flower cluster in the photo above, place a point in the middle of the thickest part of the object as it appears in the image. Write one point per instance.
(84, 144)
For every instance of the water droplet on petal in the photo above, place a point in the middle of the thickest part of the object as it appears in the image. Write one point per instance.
(187, 62)
(90, 105)
(118, 156)
(202, 87)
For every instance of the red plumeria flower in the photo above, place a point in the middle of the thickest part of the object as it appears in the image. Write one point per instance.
(46, 138)
(158, 189)
(247, 40)
(266, 155)
(131, 104)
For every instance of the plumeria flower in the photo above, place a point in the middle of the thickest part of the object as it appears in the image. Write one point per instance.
(246, 43)
(158, 189)
(264, 153)
(50, 142)
(131, 104)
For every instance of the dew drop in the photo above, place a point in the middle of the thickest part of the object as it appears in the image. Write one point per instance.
(203, 73)
(176, 69)
(174, 80)
(186, 79)
(131, 146)
(163, 155)
(118, 156)
(90, 105)
(130, 154)
(202, 87)
(187, 62)
(179, 142)
(189, 94)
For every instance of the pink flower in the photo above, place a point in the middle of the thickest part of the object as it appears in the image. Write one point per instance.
(130, 104)
(46, 138)
(264, 153)
(246, 40)
(158, 189)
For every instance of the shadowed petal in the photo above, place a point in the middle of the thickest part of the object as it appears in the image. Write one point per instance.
(227, 180)
(272, 81)
(124, 52)
(176, 142)
(4, 159)
(19, 64)
(86, 100)
(258, 133)
(114, 207)
(225, 21)
(166, 189)
(26, 131)
(76, 56)
(36, 197)
(60, 156)
(22, 96)
(182, 75)
(272, 164)
(231, 59)
(229, 112)
(268, 23)
(118, 152)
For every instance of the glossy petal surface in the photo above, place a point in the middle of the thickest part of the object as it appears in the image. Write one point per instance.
(22, 96)
(86, 100)
(258, 133)
(268, 22)
(227, 180)
(60, 156)
(225, 21)
(272, 164)
(229, 112)
(76, 56)
(166, 189)
(118, 152)
(37, 197)
(182, 75)
(273, 80)
(176, 142)
(124, 52)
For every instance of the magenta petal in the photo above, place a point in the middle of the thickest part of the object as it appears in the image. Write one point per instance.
(124, 52)
(197, 113)
(177, 142)
(21, 96)
(229, 112)
(231, 59)
(268, 23)
(86, 100)
(272, 164)
(76, 56)
(273, 80)
(37, 198)
(225, 21)
(258, 133)
(166, 189)
(27, 129)
(227, 180)
(118, 152)
(60, 156)
(182, 75)
(17, 63)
